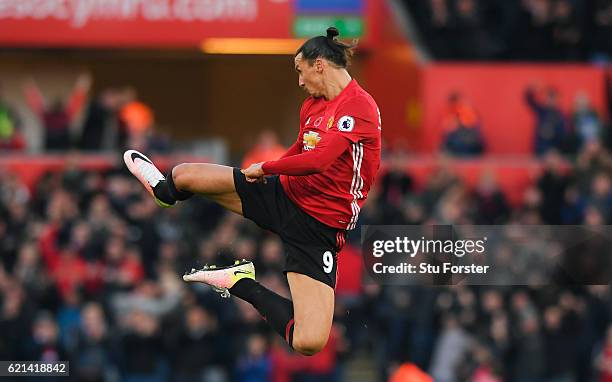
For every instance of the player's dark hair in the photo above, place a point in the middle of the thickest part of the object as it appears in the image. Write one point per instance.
(328, 47)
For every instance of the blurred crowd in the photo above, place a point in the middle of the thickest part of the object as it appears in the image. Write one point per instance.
(90, 266)
(545, 333)
(555, 129)
(91, 273)
(566, 192)
(567, 131)
(111, 119)
(559, 30)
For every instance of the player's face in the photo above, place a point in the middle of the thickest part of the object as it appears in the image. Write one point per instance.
(310, 77)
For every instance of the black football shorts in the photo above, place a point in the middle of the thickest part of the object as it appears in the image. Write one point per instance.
(311, 246)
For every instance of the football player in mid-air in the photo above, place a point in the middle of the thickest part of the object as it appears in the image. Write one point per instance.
(310, 197)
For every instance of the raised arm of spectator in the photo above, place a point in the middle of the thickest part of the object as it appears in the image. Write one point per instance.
(78, 95)
(34, 97)
(532, 100)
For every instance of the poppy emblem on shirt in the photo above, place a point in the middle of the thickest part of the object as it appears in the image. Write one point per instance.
(346, 123)
(311, 139)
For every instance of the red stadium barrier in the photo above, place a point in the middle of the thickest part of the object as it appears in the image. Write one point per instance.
(29, 168)
(513, 174)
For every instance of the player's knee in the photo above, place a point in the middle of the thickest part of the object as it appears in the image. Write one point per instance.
(181, 176)
(308, 345)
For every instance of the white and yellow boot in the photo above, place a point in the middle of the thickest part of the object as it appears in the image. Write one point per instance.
(221, 279)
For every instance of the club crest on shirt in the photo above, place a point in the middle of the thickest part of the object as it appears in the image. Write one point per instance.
(346, 123)
(311, 139)
(330, 122)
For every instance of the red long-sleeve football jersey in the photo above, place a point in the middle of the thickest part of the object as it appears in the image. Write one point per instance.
(331, 167)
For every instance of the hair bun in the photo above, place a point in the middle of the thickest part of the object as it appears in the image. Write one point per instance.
(332, 32)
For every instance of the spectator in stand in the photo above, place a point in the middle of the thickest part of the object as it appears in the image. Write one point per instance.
(30, 271)
(44, 345)
(567, 31)
(157, 299)
(527, 30)
(198, 354)
(528, 364)
(473, 41)
(11, 137)
(434, 18)
(255, 365)
(395, 185)
(440, 181)
(485, 370)
(550, 124)
(601, 196)
(68, 319)
(122, 269)
(57, 117)
(560, 339)
(141, 130)
(552, 183)
(16, 317)
(607, 125)
(95, 353)
(103, 128)
(587, 126)
(266, 148)
(491, 204)
(143, 356)
(573, 207)
(14, 196)
(593, 159)
(450, 349)
(601, 30)
(533, 31)
(463, 136)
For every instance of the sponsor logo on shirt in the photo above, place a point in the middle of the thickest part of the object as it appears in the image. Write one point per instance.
(311, 139)
(346, 123)
(318, 121)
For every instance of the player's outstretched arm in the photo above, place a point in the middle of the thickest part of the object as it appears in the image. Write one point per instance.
(309, 162)
(296, 148)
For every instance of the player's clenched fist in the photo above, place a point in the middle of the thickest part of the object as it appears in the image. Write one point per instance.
(254, 173)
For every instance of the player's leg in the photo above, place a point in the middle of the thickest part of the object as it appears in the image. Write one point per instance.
(215, 182)
(313, 312)
(239, 280)
(304, 322)
(306, 242)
